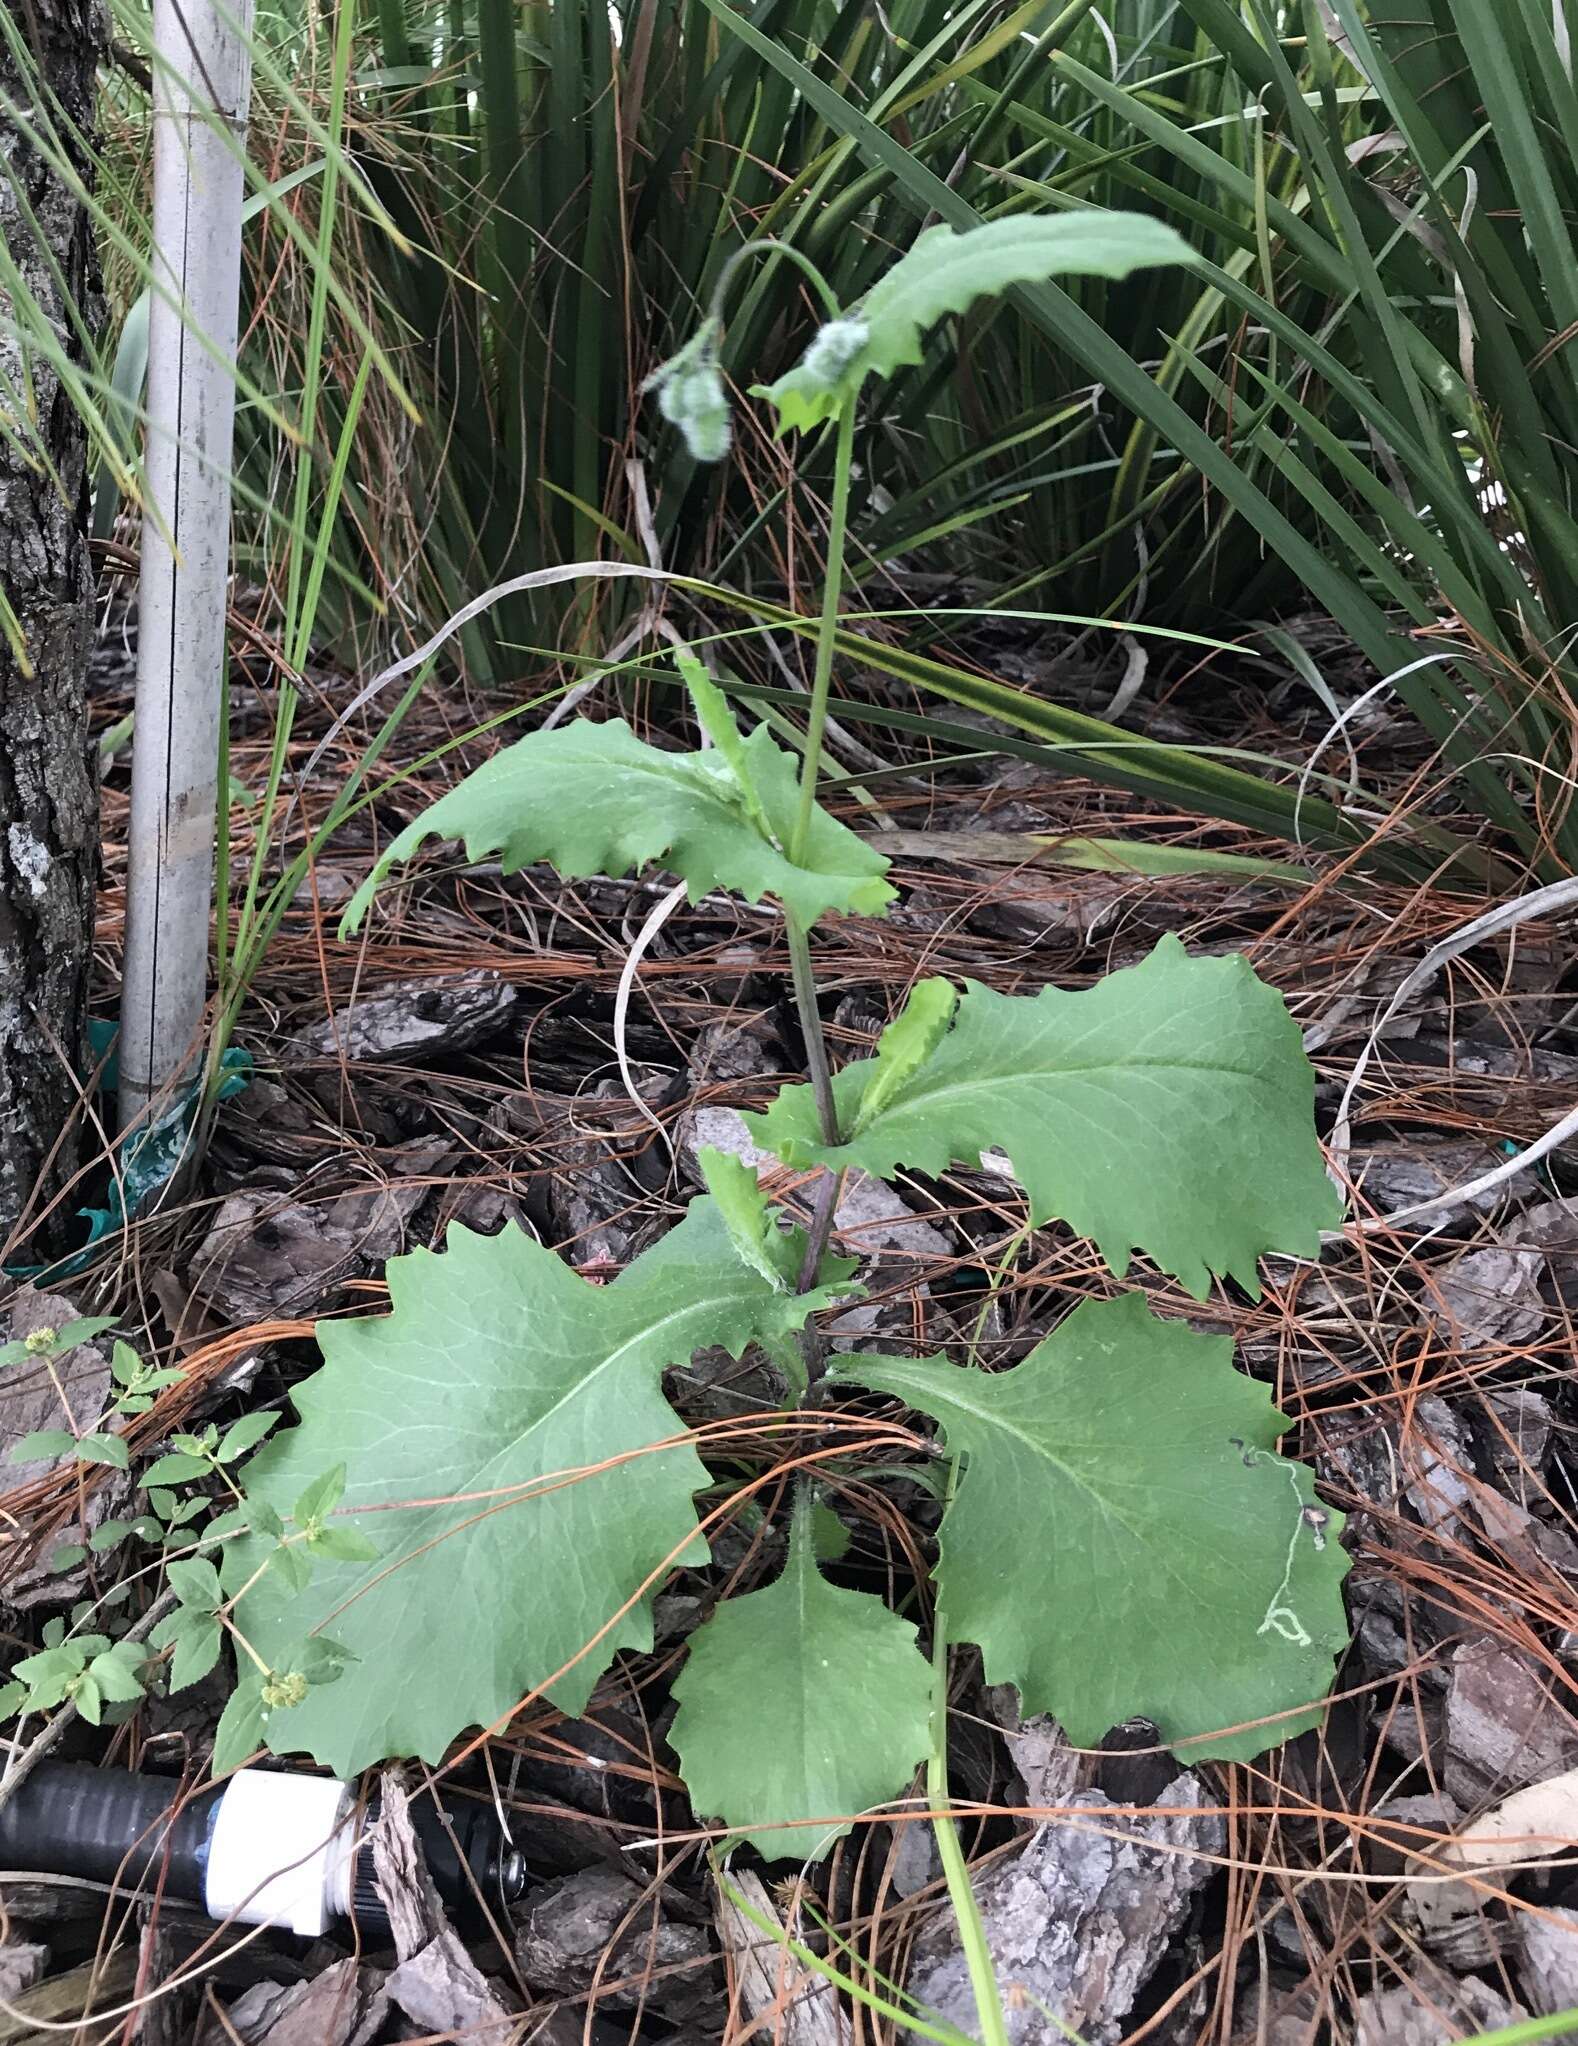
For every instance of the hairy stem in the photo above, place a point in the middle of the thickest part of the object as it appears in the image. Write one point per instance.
(812, 1346)
(827, 629)
(811, 1029)
(972, 1933)
(823, 1215)
(770, 245)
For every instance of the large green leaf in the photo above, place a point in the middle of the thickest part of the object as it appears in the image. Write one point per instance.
(595, 799)
(504, 1415)
(1124, 1542)
(946, 272)
(1167, 1109)
(802, 1701)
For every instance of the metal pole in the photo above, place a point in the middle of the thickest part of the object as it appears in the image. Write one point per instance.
(202, 77)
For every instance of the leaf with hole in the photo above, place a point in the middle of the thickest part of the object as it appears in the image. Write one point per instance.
(507, 1443)
(1168, 1109)
(801, 1701)
(1124, 1542)
(595, 799)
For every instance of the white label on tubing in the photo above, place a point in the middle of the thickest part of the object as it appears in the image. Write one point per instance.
(281, 1852)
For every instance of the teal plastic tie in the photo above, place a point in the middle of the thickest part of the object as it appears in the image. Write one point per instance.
(148, 1158)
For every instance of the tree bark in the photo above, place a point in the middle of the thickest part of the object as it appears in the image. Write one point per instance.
(48, 791)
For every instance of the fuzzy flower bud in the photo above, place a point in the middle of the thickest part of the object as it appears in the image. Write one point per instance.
(834, 348)
(691, 395)
(283, 1688)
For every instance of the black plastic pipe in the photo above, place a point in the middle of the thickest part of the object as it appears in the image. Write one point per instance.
(111, 1827)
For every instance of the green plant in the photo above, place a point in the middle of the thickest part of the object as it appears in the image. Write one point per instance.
(600, 167)
(1287, 419)
(89, 1670)
(521, 1480)
(133, 1385)
(94, 1671)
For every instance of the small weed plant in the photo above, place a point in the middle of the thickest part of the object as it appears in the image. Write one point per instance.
(488, 1485)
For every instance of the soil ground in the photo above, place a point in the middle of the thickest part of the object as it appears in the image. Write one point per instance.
(458, 1063)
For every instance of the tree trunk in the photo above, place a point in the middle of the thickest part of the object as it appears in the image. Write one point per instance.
(48, 792)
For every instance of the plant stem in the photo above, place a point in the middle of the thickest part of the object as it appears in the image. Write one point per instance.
(811, 1029)
(821, 1229)
(242, 1642)
(823, 1215)
(972, 1933)
(770, 245)
(812, 1347)
(1531, 2029)
(827, 629)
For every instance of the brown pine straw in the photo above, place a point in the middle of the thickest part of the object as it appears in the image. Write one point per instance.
(1349, 1351)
